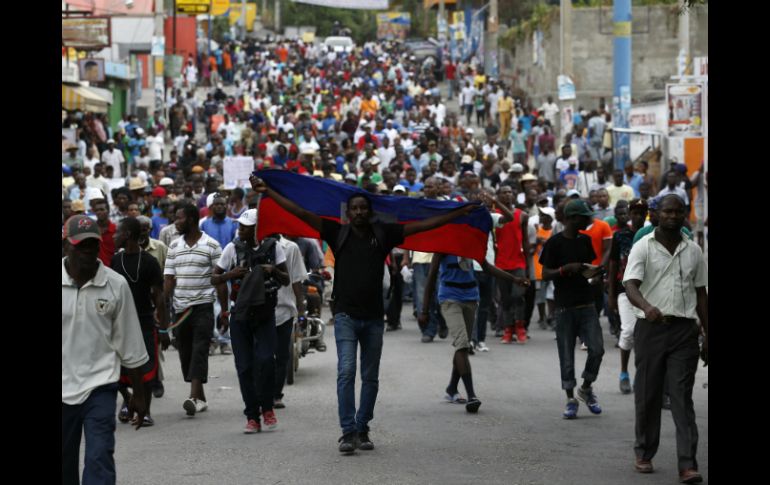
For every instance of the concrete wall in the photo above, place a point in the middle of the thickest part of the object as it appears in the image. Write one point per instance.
(654, 48)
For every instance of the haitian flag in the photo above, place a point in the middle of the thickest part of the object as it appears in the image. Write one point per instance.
(465, 236)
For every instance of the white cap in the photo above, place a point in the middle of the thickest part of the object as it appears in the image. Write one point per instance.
(166, 181)
(516, 168)
(572, 192)
(92, 193)
(548, 211)
(248, 218)
(399, 188)
(469, 131)
(210, 199)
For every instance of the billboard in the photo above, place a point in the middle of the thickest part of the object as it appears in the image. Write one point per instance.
(91, 70)
(685, 109)
(92, 33)
(393, 25)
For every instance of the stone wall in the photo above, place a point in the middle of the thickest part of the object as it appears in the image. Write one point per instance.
(654, 49)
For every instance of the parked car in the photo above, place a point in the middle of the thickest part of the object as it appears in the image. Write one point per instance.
(340, 44)
(427, 52)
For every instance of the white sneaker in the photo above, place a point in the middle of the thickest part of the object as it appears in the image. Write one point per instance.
(583, 347)
(482, 347)
(200, 406)
(190, 406)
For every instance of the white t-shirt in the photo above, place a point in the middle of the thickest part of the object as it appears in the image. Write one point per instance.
(287, 302)
(550, 111)
(155, 147)
(114, 160)
(386, 155)
(563, 164)
(467, 94)
(490, 149)
(490, 256)
(91, 163)
(228, 259)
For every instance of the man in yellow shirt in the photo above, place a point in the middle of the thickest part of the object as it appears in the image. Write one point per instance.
(505, 109)
(370, 105)
(480, 79)
(618, 190)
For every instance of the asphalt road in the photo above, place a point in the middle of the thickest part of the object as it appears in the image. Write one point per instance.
(518, 436)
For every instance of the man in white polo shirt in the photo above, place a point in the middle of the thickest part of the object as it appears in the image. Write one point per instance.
(100, 332)
(190, 263)
(666, 280)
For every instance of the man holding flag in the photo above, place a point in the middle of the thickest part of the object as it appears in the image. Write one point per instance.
(360, 249)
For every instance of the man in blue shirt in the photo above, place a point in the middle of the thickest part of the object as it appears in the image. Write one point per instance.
(458, 295)
(410, 182)
(217, 225)
(328, 122)
(633, 179)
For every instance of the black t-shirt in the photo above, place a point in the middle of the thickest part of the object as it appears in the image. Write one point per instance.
(149, 275)
(490, 181)
(559, 250)
(622, 241)
(359, 268)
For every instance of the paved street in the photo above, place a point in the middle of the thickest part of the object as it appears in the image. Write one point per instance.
(518, 436)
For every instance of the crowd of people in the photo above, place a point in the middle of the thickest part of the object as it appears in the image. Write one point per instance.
(568, 239)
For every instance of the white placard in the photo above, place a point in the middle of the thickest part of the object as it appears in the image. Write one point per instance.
(237, 171)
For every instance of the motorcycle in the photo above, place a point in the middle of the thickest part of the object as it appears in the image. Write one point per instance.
(309, 329)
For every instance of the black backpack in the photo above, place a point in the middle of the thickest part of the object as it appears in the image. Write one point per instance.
(254, 289)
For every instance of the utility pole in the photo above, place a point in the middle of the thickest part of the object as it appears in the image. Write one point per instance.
(684, 38)
(158, 85)
(243, 20)
(566, 38)
(208, 28)
(277, 17)
(492, 26)
(621, 79)
(441, 23)
(173, 45)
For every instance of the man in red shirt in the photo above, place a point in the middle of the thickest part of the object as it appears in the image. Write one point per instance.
(107, 229)
(451, 69)
(601, 240)
(512, 248)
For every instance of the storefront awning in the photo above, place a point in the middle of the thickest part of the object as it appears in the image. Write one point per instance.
(83, 98)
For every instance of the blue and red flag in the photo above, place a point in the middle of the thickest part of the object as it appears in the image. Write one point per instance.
(465, 236)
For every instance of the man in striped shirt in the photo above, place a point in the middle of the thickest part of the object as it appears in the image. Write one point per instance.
(189, 265)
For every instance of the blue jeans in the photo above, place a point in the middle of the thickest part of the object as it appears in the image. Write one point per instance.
(420, 280)
(348, 333)
(486, 288)
(254, 344)
(572, 322)
(96, 418)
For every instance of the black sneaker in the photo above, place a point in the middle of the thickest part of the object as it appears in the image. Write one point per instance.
(364, 443)
(348, 443)
(158, 389)
(443, 332)
(473, 405)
